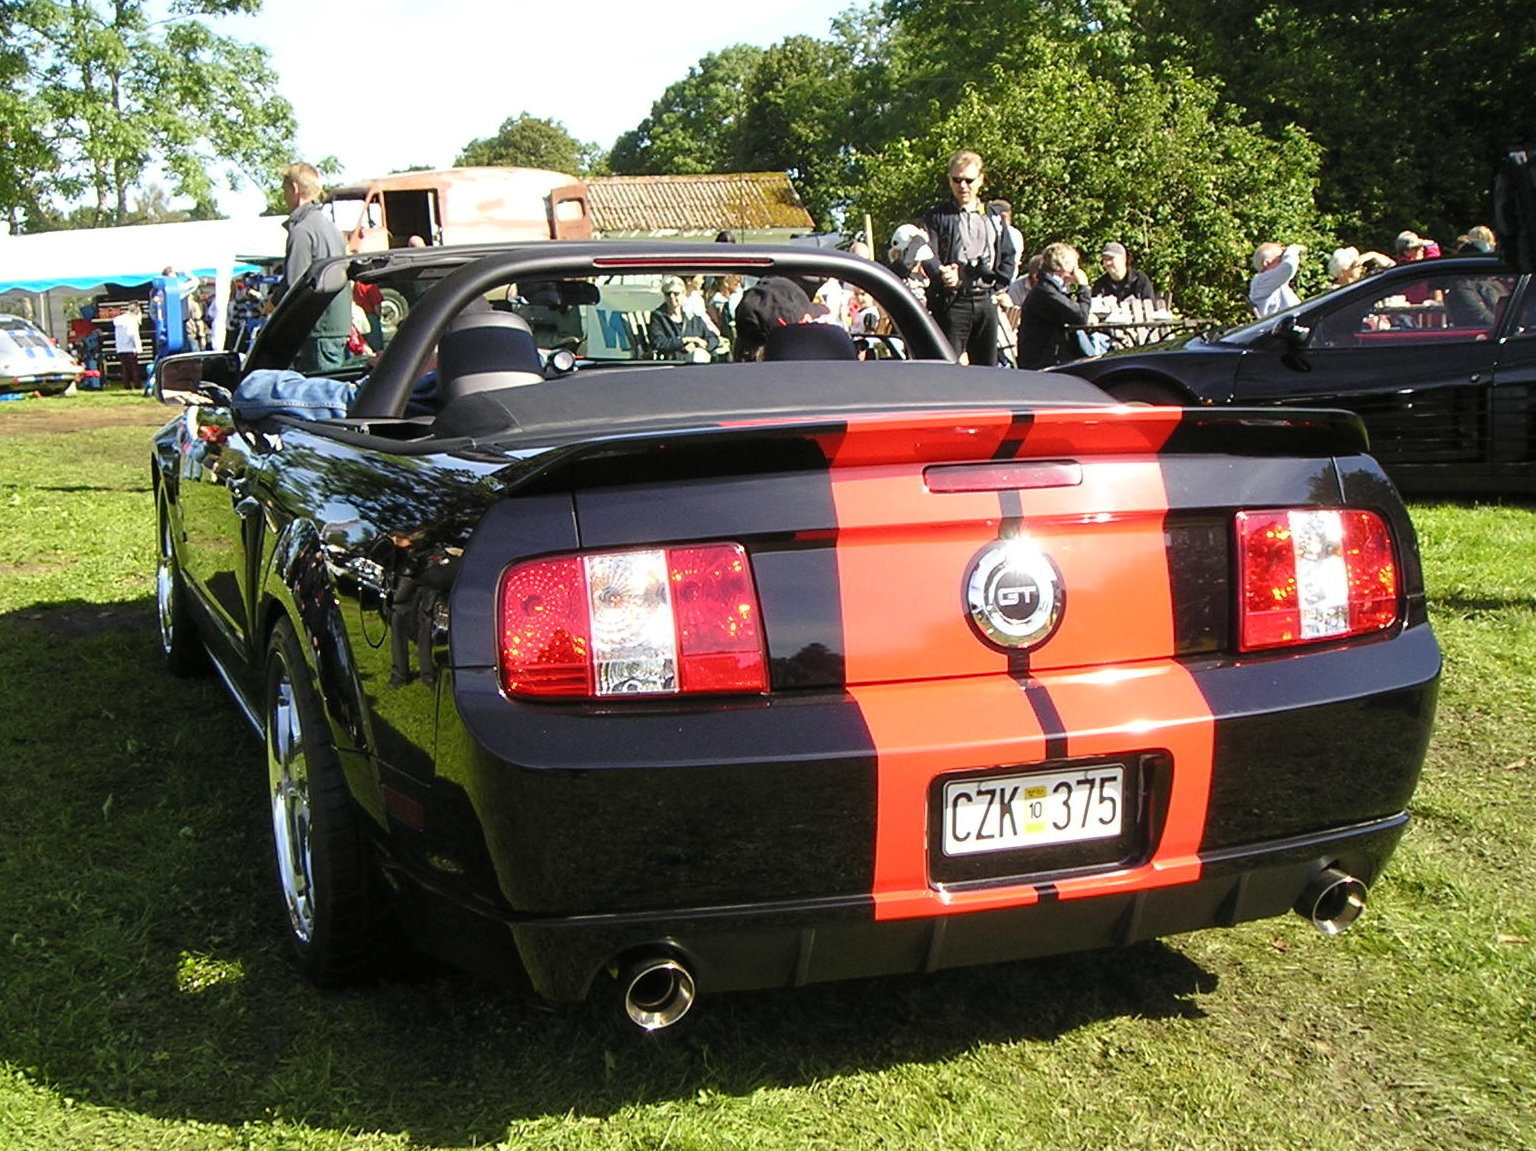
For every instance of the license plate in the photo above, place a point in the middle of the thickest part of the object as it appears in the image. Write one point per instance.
(1005, 813)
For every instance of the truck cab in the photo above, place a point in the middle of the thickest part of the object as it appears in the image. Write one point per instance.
(460, 206)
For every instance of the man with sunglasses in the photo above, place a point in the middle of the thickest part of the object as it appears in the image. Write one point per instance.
(971, 258)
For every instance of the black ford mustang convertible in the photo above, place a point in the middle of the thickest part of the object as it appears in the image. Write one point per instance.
(832, 659)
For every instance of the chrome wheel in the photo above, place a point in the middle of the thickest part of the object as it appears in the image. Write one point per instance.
(327, 877)
(288, 777)
(179, 641)
(165, 597)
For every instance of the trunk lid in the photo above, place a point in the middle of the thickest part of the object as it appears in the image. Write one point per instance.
(903, 547)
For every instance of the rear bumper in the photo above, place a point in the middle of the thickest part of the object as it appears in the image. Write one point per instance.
(786, 946)
(768, 862)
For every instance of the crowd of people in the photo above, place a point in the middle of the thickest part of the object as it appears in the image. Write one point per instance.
(966, 259)
(963, 257)
(1275, 267)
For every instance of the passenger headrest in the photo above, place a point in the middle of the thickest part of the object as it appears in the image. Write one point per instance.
(809, 342)
(484, 350)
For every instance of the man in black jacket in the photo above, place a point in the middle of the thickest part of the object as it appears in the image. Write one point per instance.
(1120, 280)
(1053, 313)
(971, 258)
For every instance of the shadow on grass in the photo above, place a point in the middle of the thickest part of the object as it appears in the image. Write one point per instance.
(77, 489)
(144, 968)
(1466, 606)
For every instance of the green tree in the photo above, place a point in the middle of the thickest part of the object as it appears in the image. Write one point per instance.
(26, 150)
(151, 205)
(939, 48)
(525, 141)
(693, 128)
(800, 118)
(110, 96)
(1412, 103)
(1148, 156)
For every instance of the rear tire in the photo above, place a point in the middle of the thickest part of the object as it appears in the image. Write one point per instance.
(1147, 392)
(332, 895)
(179, 641)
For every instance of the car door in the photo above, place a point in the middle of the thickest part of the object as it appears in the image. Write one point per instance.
(1414, 357)
(217, 513)
(1514, 382)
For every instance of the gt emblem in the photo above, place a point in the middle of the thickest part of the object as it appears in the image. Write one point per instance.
(1014, 594)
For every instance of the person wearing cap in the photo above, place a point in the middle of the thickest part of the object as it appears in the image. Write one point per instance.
(1120, 280)
(1002, 210)
(909, 248)
(1411, 246)
(772, 302)
(972, 258)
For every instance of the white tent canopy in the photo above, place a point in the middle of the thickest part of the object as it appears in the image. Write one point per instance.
(86, 258)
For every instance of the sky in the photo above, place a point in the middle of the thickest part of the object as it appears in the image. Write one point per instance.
(393, 84)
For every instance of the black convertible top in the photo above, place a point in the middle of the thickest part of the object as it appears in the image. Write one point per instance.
(618, 401)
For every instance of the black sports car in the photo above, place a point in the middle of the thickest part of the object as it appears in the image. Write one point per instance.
(1437, 357)
(714, 676)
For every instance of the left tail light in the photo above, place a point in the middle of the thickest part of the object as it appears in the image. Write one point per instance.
(660, 621)
(1312, 574)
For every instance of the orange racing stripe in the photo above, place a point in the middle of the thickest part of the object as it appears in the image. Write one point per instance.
(1106, 676)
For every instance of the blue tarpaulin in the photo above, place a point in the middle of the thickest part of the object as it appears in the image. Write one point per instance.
(87, 258)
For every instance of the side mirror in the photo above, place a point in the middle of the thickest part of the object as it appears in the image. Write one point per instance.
(1296, 336)
(197, 378)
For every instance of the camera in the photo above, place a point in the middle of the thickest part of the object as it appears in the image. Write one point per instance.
(978, 271)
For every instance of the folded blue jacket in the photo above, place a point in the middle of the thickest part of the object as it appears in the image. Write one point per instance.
(282, 392)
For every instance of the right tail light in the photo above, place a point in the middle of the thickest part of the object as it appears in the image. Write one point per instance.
(1312, 574)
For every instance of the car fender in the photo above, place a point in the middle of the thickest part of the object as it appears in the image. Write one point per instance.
(168, 448)
(1148, 379)
(1208, 374)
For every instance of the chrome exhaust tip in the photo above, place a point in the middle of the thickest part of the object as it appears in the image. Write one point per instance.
(657, 992)
(1332, 901)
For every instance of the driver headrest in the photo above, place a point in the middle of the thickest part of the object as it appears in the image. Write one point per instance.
(484, 350)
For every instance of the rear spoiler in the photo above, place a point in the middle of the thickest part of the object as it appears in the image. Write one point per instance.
(904, 438)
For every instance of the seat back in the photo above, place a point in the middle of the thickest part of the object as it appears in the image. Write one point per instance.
(809, 342)
(484, 350)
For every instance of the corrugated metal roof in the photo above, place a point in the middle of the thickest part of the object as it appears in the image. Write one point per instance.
(696, 205)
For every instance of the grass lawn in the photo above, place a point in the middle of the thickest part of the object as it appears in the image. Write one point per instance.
(145, 1001)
